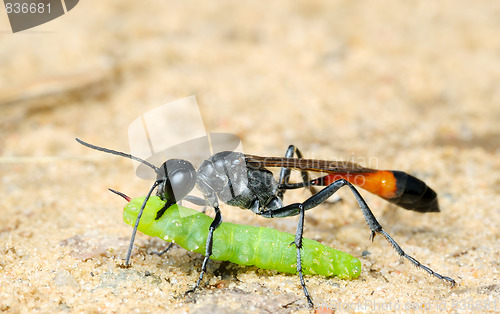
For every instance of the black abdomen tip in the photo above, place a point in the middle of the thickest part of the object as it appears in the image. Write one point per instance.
(414, 194)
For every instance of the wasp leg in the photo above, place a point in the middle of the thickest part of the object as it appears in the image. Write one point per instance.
(298, 245)
(160, 253)
(285, 173)
(375, 227)
(284, 184)
(136, 225)
(208, 248)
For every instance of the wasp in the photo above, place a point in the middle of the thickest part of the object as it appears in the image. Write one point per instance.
(244, 181)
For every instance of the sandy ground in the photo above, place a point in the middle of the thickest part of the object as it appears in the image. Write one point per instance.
(411, 86)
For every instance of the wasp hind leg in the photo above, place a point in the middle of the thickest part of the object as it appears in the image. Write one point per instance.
(375, 227)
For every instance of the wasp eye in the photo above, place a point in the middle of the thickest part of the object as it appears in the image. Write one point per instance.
(179, 178)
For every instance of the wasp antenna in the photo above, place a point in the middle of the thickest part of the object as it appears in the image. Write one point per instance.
(127, 198)
(114, 152)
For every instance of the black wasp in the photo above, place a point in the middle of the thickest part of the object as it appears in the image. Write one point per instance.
(242, 180)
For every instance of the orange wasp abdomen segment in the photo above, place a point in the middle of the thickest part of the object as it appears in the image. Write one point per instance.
(396, 187)
(381, 182)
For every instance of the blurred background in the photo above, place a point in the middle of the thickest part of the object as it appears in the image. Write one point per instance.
(411, 86)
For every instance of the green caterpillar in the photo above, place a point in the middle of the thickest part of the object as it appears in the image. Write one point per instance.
(244, 245)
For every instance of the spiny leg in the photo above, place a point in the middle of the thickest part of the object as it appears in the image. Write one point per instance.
(292, 210)
(298, 244)
(299, 209)
(375, 227)
(413, 260)
(208, 248)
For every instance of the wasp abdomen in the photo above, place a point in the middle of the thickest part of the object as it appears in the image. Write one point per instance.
(414, 194)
